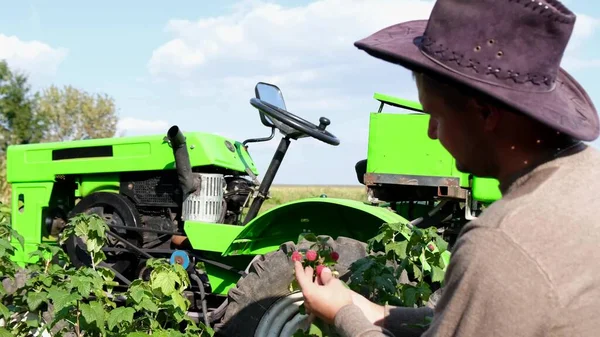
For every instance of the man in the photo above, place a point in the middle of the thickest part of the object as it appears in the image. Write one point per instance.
(488, 73)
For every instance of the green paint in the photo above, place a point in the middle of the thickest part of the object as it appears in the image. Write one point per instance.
(33, 162)
(398, 102)
(91, 183)
(324, 216)
(211, 237)
(26, 216)
(486, 190)
(399, 145)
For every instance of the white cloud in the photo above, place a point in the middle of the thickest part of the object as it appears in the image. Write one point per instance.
(308, 52)
(133, 126)
(575, 59)
(37, 59)
(276, 38)
(585, 27)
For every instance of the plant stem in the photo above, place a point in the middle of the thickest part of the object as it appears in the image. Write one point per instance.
(77, 331)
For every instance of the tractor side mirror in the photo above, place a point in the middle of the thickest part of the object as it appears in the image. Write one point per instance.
(271, 94)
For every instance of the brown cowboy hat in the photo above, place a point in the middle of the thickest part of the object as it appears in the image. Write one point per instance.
(509, 50)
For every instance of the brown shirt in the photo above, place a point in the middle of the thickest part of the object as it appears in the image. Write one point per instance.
(528, 266)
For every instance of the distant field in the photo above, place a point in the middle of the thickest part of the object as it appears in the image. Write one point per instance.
(283, 193)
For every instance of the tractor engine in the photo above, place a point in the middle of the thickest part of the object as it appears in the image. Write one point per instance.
(206, 196)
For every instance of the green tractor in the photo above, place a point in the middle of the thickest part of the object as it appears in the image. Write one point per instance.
(195, 197)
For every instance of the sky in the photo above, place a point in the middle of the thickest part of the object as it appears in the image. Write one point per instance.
(195, 64)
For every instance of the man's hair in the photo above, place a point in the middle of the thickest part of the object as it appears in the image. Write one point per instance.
(458, 96)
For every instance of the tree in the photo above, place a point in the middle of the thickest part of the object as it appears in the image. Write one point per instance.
(53, 115)
(72, 114)
(18, 121)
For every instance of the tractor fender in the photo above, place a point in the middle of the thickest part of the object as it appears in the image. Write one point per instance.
(321, 216)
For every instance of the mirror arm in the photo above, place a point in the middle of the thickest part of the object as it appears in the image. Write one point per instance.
(258, 140)
(263, 190)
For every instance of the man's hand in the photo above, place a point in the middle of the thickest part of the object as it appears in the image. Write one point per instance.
(325, 295)
(374, 312)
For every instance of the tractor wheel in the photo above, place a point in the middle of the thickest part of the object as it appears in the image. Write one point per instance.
(262, 304)
(115, 209)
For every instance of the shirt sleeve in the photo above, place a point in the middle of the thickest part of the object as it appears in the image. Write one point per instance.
(351, 322)
(492, 288)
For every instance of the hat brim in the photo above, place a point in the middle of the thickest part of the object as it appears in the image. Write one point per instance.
(567, 108)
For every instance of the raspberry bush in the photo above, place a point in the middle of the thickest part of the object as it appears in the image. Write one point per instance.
(404, 266)
(53, 297)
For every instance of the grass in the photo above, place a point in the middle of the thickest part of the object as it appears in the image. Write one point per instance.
(281, 194)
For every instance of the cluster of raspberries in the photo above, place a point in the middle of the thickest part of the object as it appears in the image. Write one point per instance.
(312, 256)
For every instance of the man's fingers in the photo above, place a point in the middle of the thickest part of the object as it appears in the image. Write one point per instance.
(301, 276)
(326, 275)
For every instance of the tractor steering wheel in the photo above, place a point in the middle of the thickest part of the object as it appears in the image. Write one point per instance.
(296, 122)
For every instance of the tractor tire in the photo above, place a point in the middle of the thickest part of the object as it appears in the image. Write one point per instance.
(120, 211)
(268, 280)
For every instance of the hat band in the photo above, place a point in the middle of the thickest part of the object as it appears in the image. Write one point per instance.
(508, 79)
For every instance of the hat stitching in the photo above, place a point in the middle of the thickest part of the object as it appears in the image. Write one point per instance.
(441, 54)
(558, 12)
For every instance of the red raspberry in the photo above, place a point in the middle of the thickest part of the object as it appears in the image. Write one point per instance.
(431, 247)
(311, 255)
(335, 256)
(296, 256)
(320, 269)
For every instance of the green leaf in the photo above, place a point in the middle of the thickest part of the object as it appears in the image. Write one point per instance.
(417, 271)
(399, 248)
(19, 237)
(165, 281)
(424, 264)
(5, 333)
(5, 246)
(4, 312)
(409, 296)
(308, 237)
(437, 274)
(386, 283)
(137, 334)
(83, 285)
(107, 274)
(62, 298)
(441, 244)
(179, 301)
(120, 314)
(424, 291)
(93, 312)
(34, 299)
(99, 256)
(148, 305)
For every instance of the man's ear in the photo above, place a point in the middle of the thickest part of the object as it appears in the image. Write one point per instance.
(488, 114)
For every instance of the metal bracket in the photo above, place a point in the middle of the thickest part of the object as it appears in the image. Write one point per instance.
(469, 206)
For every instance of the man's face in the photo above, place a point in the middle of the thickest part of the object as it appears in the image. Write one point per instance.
(456, 125)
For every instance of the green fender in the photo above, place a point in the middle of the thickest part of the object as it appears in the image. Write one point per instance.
(321, 216)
